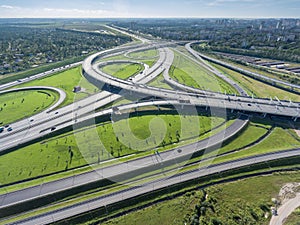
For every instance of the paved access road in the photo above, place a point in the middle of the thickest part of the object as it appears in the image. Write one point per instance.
(285, 210)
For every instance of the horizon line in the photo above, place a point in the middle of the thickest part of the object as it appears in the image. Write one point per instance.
(150, 17)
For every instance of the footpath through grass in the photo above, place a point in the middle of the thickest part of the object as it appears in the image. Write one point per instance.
(192, 74)
(66, 81)
(18, 105)
(123, 70)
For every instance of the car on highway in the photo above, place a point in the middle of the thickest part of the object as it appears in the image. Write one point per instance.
(9, 129)
(6, 126)
(1, 129)
(53, 128)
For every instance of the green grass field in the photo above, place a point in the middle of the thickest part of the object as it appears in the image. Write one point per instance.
(144, 55)
(249, 136)
(12, 77)
(18, 105)
(123, 70)
(69, 151)
(191, 74)
(160, 83)
(259, 89)
(246, 201)
(279, 139)
(66, 81)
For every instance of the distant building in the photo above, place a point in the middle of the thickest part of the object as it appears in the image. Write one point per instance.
(77, 89)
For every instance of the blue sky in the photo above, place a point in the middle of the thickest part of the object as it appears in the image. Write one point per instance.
(149, 8)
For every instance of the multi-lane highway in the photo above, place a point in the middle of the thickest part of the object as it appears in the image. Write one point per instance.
(136, 87)
(24, 131)
(37, 76)
(263, 106)
(240, 70)
(118, 196)
(119, 171)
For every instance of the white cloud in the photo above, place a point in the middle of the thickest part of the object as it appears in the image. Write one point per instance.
(222, 2)
(8, 7)
(76, 13)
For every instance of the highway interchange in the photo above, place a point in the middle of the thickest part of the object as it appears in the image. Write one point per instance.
(136, 87)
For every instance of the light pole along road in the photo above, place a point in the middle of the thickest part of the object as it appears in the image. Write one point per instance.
(84, 207)
(61, 119)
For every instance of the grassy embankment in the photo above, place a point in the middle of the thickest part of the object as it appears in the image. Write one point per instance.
(192, 74)
(19, 105)
(258, 88)
(69, 151)
(146, 57)
(123, 70)
(246, 201)
(66, 81)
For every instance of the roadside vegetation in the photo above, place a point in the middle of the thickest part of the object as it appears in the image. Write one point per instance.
(69, 151)
(159, 82)
(123, 70)
(143, 55)
(19, 105)
(246, 201)
(257, 88)
(147, 57)
(191, 74)
(66, 81)
(269, 72)
(280, 138)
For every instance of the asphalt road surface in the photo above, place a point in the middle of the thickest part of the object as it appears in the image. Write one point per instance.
(88, 206)
(285, 210)
(115, 172)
